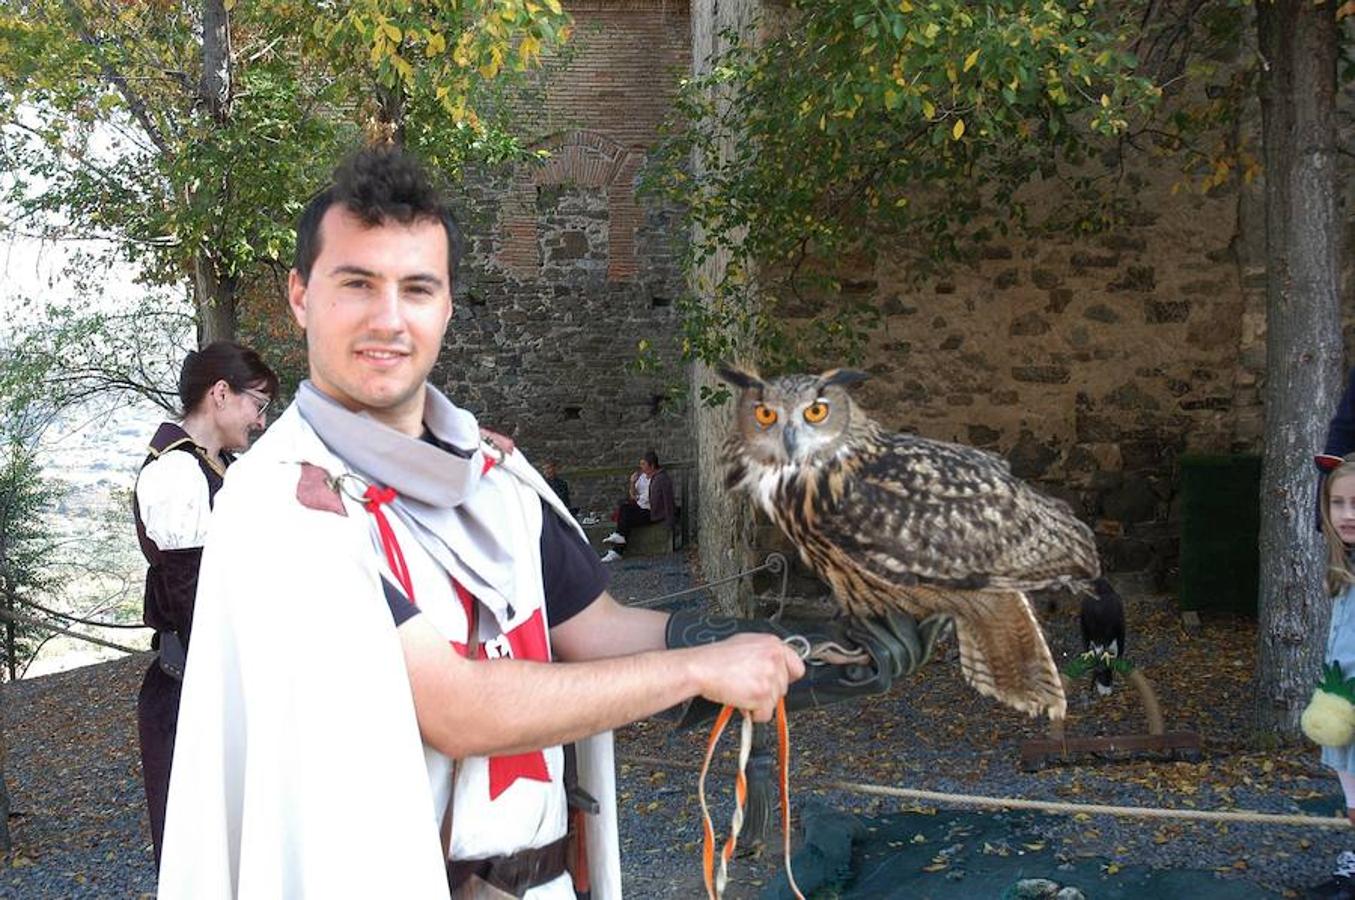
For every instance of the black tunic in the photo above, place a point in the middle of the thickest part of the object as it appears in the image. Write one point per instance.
(171, 585)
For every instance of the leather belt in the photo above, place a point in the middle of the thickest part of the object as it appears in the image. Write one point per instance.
(517, 873)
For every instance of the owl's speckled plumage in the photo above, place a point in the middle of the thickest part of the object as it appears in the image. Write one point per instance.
(895, 520)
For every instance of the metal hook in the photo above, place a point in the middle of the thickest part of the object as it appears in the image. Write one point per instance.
(340, 483)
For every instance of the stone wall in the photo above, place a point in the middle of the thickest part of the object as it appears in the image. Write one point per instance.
(568, 270)
(1092, 365)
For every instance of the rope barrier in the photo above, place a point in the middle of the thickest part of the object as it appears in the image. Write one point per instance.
(774, 563)
(941, 798)
(22, 619)
(1140, 812)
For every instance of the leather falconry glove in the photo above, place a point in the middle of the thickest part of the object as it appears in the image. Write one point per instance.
(849, 658)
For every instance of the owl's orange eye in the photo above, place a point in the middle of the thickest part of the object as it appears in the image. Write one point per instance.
(816, 412)
(765, 415)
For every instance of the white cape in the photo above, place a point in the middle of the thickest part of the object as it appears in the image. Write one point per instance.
(298, 767)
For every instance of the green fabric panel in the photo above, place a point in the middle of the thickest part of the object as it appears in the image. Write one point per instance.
(1220, 528)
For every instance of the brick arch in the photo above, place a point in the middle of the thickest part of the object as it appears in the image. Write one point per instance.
(589, 159)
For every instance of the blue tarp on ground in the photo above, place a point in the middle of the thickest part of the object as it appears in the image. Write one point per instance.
(964, 856)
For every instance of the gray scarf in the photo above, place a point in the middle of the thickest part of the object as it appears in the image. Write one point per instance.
(440, 495)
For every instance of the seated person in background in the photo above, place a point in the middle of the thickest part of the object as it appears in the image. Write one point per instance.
(551, 470)
(651, 501)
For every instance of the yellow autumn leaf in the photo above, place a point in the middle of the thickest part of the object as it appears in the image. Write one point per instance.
(970, 60)
(958, 131)
(905, 6)
(436, 44)
(928, 108)
(554, 6)
(392, 32)
(1105, 100)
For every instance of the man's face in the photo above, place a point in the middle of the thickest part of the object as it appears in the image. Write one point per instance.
(375, 310)
(646, 468)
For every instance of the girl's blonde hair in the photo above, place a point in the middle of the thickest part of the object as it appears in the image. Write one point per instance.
(1339, 573)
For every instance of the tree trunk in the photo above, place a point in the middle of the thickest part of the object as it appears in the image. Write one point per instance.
(213, 291)
(6, 843)
(214, 299)
(1297, 41)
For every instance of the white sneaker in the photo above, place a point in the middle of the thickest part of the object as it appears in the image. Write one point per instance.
(612, 556)
(615, 538)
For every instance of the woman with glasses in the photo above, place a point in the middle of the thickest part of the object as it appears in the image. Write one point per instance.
(225, 390)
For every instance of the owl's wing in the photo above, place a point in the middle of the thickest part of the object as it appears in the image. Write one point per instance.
(919, 511)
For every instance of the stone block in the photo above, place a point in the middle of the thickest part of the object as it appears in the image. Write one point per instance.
(1059, 298)
(650, 540)
(1042, 374)
(1005, 398)
(1133, 501)
(1083, 260)
(1136, 278)
(983, 436)
(1045, 279)
(1121, 243)
(1129, 396)
(1031, 457)
(1099, 312)
(1028, 325)
(1162, 312)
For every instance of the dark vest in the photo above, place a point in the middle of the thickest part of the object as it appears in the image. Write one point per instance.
(172, 576)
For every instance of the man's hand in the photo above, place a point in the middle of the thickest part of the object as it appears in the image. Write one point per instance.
(861, 659)
(748, 671)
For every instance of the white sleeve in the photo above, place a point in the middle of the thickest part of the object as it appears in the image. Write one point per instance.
(171, 496)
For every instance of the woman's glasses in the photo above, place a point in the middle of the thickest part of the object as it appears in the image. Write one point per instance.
(260, 399)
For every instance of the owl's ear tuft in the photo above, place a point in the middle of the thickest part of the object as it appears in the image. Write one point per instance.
(740, 378)
(843, 377)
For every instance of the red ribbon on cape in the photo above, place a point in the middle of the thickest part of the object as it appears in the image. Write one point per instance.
(527, 640)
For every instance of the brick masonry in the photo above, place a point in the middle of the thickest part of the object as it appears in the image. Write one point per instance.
(569, 270)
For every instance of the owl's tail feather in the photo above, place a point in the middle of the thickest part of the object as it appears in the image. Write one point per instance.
(1003, 654)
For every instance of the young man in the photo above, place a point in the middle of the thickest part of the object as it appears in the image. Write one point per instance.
(397, 626)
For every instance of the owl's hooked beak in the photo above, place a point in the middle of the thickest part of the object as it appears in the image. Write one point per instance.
(790, 436)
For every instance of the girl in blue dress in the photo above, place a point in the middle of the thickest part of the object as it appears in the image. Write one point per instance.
(1338, 527)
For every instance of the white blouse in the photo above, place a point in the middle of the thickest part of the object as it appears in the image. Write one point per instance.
(171, 496)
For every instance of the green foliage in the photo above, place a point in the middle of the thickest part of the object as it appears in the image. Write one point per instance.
(25, 543)
(1080, 665)
(1333, 682)
(65, 351)
(106, 132)
(865, 121)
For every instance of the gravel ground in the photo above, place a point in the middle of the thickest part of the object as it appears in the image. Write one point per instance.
(74, 777)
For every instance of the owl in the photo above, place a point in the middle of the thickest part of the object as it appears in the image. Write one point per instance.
(894, 521)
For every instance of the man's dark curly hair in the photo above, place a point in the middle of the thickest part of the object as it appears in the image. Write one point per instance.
(378, 185)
